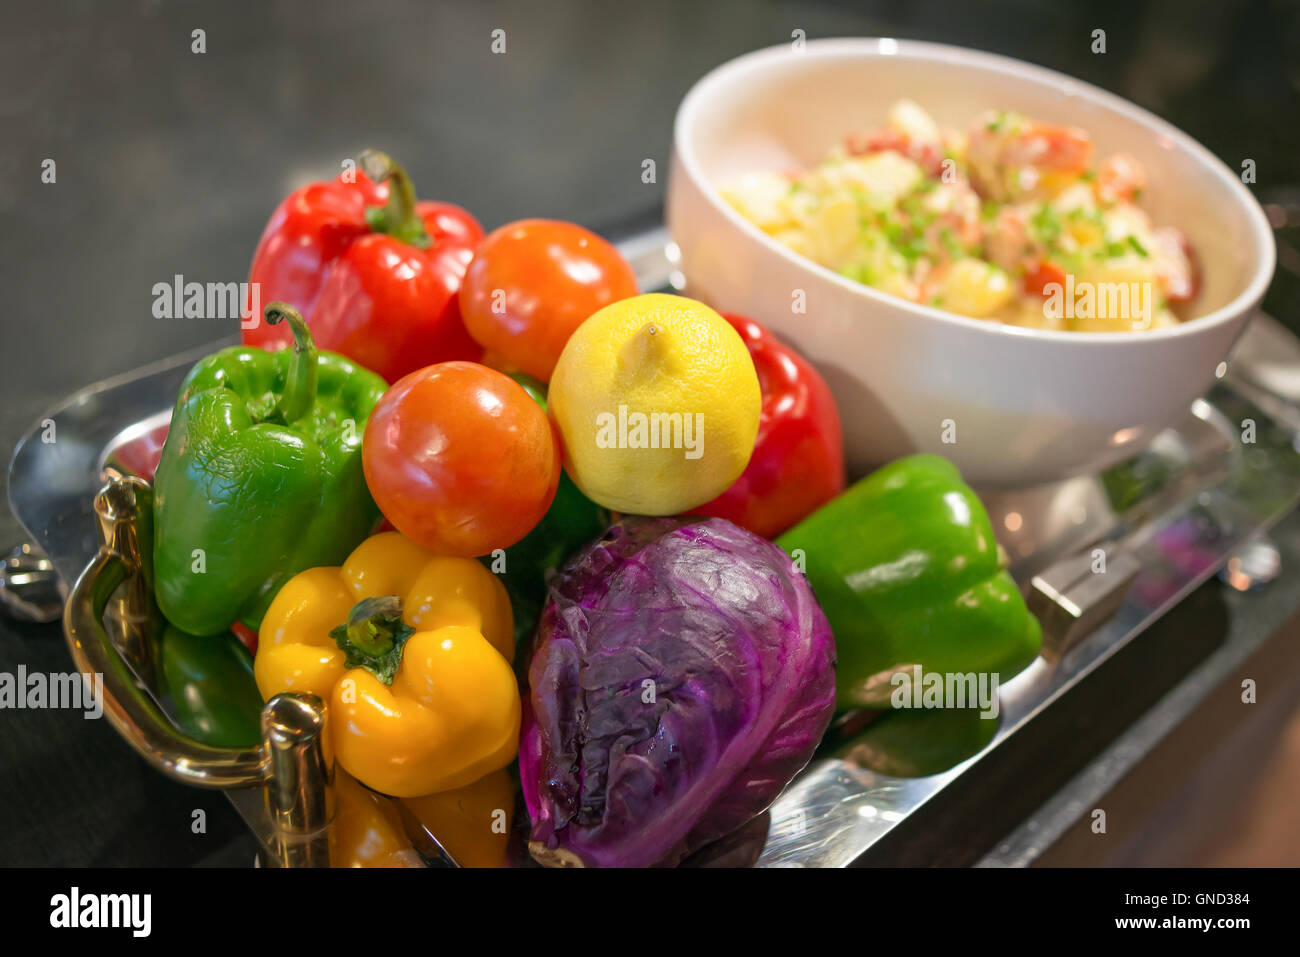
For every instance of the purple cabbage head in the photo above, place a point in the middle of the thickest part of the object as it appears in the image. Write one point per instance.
(683, 674)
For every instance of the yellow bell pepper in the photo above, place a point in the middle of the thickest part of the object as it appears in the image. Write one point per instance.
(411, 652)
(472, 823)
(367, 829)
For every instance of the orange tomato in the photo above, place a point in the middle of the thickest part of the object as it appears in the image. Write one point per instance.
(531, 283)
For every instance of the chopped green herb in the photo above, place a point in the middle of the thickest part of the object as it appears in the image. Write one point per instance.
(1046, 224)
(1086, 214)
(860, 273)
(950, 244)
(1137, 246)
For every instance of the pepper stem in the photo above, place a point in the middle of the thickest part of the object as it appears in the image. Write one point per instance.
(373, 636)
(399, 218)
(300, 383)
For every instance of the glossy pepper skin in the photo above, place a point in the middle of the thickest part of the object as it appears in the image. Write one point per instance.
(367, 829)
(906, 567)
(260, 477)
(412, 653)
(375, 273)
(208, 681)
(798, 460)
(473, 822)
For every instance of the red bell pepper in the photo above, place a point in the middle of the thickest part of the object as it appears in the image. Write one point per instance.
(140, 455)
(246, 635)
(375, 273)
(798, 460)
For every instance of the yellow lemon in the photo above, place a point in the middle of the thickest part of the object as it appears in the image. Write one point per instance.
(657, 401)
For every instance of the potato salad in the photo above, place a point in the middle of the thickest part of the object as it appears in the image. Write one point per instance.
(1010, 220)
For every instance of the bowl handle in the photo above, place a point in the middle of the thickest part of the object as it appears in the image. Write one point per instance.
(292, 764)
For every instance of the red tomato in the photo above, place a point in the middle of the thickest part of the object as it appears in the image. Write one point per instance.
(461, 459)
(449, 222)
(531, 283)
(1043, 274)
(798, 460)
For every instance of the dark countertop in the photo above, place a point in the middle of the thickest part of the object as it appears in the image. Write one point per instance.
(169, 162)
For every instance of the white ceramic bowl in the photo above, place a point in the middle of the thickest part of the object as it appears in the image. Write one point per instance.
(1029, 405)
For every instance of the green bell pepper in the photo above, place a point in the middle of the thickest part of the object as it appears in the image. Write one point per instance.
(911, 743)
(209, 686)
(260, 478)
(571, 522)
(908, 571)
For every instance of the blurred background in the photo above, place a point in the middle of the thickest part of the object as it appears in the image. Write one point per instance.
(169, 161)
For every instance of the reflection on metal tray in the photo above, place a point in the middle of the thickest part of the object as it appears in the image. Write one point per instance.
(1178, 520)
(1162, 523)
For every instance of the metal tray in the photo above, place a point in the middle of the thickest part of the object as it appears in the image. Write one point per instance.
(1167, 520)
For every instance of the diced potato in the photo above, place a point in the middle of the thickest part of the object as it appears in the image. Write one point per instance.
(974, 288)
(835, 231)
(882, 179)
(796, 239)
(1125, 220)
(908, 118)
(758, 197)
(1123, 291)
(1029, 311)
(800, 206)
(956, 145)
(1076, 198)
(1127, 268)
(893, 279)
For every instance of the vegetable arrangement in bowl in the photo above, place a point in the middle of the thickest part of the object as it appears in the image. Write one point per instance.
(558, 544)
